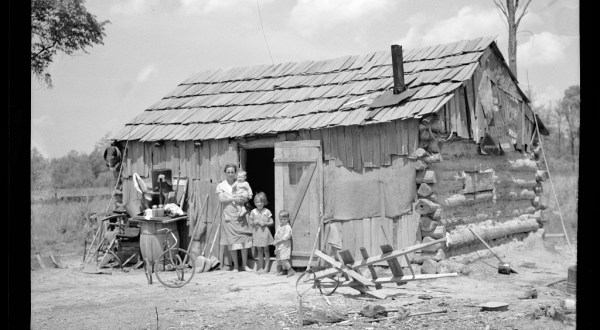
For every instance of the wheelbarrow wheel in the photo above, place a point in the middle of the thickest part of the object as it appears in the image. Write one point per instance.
(174, 268)
(328, 285)
(305, 284)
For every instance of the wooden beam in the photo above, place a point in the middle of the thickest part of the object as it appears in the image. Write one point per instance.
(303, 187)
(295, 160)
(405, 278)
(339, 267)
(393, 263)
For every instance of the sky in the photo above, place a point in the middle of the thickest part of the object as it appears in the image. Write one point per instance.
(151, 46)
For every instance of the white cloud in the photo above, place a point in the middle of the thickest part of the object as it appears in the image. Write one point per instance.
(206, 7)
(468, 23)
(38, 142)
(148, 71)
(549, 95)
(542, 49)
(132, 7)
(42, 122)
(309, 17)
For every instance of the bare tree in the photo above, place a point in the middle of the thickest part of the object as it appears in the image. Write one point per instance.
(513, 10)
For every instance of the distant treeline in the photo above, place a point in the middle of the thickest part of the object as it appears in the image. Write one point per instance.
(562, 118)
(74, 170)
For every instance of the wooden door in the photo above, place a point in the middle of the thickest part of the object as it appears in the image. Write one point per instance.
(298, 189)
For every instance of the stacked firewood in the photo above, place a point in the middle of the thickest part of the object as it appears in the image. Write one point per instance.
(427, 204)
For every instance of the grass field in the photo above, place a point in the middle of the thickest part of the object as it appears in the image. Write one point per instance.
(61, 227)
(566, 187)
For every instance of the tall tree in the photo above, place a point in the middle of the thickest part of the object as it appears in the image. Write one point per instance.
(60, 26)
(513, 11)
(41, 174)
(570, 110)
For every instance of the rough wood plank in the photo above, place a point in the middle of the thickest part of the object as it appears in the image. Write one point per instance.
(357, 150)
(365, 255)
(375, 142)
(303, 187)
(326, 144)
(366, 231)
(358, 236)
(349, 147)
(391, 138)
(413, 135)
(334, 143)
(394, 263)
(365, 148)
(341, 139)
(386, 157)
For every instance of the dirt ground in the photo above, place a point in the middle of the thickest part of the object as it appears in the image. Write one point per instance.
(71, 299)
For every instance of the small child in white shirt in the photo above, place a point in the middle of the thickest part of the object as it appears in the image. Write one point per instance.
(241, 188)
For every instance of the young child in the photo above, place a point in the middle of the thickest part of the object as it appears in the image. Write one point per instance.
(241, 188)
(261, 219)
(283, 244)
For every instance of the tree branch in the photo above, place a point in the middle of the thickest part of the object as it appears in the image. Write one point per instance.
(500, 6)
(45, 49)
(523, 12)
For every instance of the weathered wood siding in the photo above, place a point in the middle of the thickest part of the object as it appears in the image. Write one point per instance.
(202, 165)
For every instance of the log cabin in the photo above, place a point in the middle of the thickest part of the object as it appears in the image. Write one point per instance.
(392, 147)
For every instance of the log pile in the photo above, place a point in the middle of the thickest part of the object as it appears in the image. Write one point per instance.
(457, 185)
(428, 205)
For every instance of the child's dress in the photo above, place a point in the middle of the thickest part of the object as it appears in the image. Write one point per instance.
(261, 235)
(283, 250)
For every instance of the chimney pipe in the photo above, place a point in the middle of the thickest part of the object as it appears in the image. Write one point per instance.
(398, 66)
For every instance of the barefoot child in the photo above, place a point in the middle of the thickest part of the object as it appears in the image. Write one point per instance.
(241, 188)
(283, 244)
(260, 220)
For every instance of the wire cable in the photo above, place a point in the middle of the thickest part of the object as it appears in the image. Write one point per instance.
(553, 190)
(263, 32)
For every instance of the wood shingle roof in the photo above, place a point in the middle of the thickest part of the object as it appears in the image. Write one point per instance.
(263, 99)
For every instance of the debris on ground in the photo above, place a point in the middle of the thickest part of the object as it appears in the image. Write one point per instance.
(451, 266)
(529, 294)
(374, 311)
(568, 306)
(547, 311)
(528, 264)
(493, 306)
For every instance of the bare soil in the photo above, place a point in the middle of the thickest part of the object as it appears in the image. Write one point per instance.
(71, 299)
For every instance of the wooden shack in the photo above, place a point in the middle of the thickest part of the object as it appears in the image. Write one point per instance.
(388, 147)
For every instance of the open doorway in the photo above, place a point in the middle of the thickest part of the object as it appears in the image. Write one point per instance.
(261, 177)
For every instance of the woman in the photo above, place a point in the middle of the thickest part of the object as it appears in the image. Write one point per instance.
(236, 234)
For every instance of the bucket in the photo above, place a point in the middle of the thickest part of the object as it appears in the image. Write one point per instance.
(572, 280)
(504, 268)
(152, 242)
